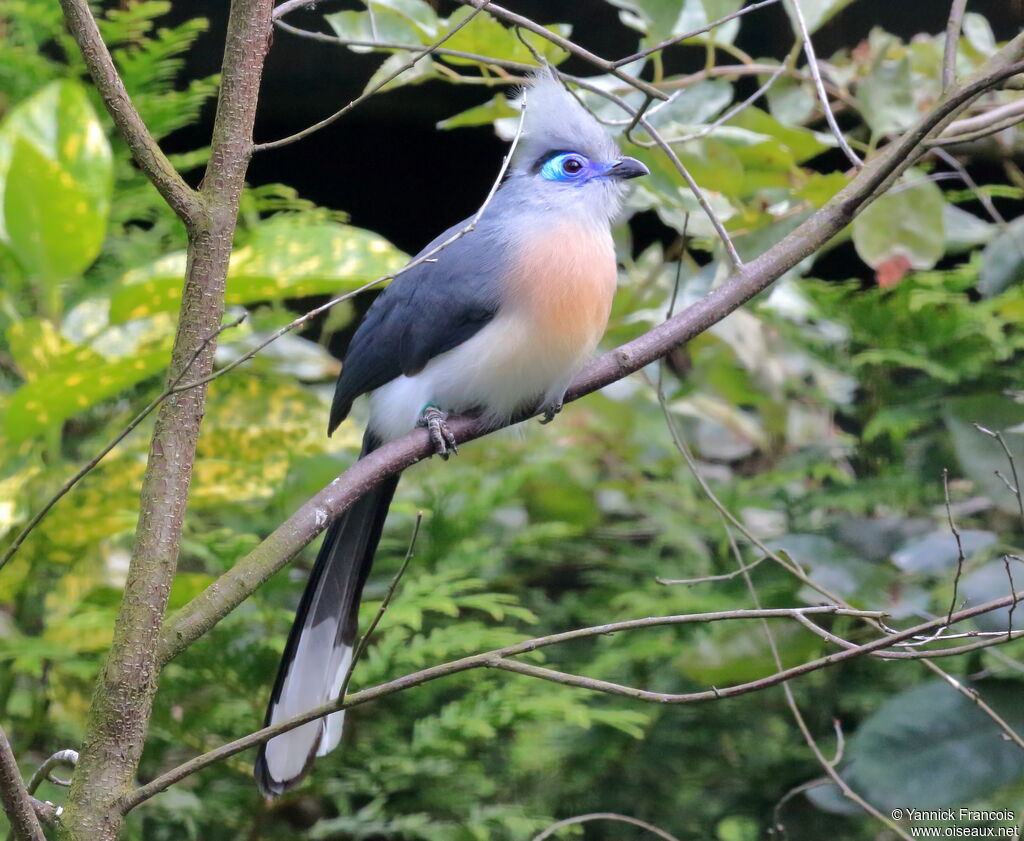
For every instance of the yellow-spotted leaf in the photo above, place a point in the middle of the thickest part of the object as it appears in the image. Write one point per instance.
(53, 227)
(61, 125)
(283, 258)
(38, 348)
(54, 397)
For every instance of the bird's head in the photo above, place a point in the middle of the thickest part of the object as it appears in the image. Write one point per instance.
(565, 159)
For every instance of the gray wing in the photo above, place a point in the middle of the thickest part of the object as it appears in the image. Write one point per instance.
(426, 311)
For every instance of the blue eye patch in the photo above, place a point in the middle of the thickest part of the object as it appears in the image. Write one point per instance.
(570, 167)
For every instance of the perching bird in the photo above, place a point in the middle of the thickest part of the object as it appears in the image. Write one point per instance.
(499, 321)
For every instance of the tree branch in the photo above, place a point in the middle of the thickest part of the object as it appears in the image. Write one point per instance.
(147, 153)
(207, 609)
(499, 659)
(16, 800)
(953, 26)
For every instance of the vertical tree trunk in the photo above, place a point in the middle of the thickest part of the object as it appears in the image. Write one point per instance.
(123, 697)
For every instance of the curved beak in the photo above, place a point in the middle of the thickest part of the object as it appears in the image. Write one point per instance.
(625, 168)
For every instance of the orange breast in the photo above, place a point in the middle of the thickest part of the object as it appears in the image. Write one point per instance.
(563, 285)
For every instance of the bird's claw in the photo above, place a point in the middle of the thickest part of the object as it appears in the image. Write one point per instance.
(441, 436)
(550, 412)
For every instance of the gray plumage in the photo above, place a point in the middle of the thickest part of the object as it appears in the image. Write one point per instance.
(499, 320)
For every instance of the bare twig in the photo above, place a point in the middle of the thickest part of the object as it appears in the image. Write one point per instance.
(983, 198)
(953, 26)
(604, 816)
(1016, 489)
(812, 65)
(90, 465)
(1011, 115)
(675, 39)
(17, 802)
(146, 151)
(1013, 607)
(499, 659)
(420, 54)
(44, 772)
(960, 559)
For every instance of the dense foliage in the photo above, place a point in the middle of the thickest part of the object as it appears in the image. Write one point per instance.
(823, 417)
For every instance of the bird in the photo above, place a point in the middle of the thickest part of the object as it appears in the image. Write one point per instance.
(497, 322)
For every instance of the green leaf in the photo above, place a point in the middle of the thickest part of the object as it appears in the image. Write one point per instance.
(53, 398)
(484, 35)
(386, 26)
(886, 96)
(800, 141)
(905, 222)
(932, 747)
(53, 227)
(481, 115)
(63, 127)
(1002, 262)
(283, 258)
(38, 347)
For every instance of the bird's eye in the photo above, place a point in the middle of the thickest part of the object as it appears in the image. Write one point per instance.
(567, 167)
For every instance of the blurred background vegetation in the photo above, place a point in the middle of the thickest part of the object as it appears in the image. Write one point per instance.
(823, 416)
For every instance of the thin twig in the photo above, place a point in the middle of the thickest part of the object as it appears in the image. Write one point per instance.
(960, 559)
(1013, 607)
(983, 198)
(953, 26)
(43, 772)
(675, 39)
(90, 465)
(604, 816)
(1011, 110)
(498, 658)
(423, 53)
(829, 766)
(1013, 467)
(812, 65)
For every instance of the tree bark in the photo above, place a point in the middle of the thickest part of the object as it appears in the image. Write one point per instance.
(122, 701)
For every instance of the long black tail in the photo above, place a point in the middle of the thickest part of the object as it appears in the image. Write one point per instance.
(319, 649)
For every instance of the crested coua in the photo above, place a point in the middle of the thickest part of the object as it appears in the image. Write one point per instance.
(497, 322)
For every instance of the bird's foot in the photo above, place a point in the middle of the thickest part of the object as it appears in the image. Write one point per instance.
(436, 422)
(551, 411)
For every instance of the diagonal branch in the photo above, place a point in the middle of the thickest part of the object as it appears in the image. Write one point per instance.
(16, 800)
(147, 153)
(819, 85)
(203, 612)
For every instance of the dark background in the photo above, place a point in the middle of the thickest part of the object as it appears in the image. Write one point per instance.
(386, 165)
